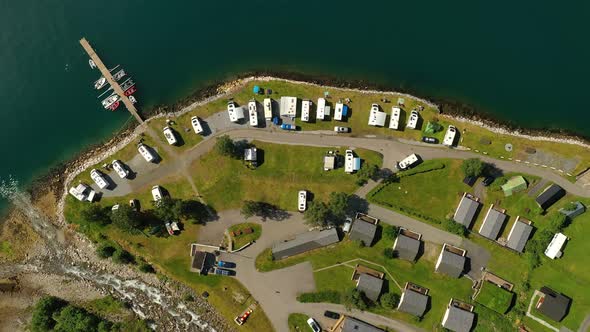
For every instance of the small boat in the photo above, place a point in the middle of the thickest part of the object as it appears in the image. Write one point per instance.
(127, 84)
(91, 64)
(132, 99)
(114, 106)
(110, 101)
(100, 83)
(130, 91)
(119, 75)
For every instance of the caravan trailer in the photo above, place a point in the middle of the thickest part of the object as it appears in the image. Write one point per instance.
(146, 152)
(413, 120)
(170, 137)
(339, 111)
(321, 109)
(394, 120)
(449, 139)
(305, 109)
(252, 111)
(120, 169)
(235, 113)
(408, 162)
(268, 109)
(302, 200)
(99, 179)
(196, 125)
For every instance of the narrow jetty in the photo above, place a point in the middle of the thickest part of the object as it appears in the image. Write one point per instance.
(107, 74)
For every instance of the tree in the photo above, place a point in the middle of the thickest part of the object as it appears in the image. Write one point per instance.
(388, 252)
(316, 214)
(473, 167)
(169, 209)
(121, 256)
(251, 208)
(96, 213)
(389, 300)
(42, 319)
(146, 268)
(105, 250)
(194, 210)
(390, 232)
(225, 146)
(337, 205)
(73, 319)
(126, 218)
(366, 173)
(354, 298)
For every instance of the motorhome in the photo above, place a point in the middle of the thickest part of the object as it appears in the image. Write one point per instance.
(408, 162)
(253, 113)
(268, 109)
(98, 178)
(196, 125)
(170, 137)
(235, 113)
(321, 109)
(449, 139)
(157, 193)
(305, 109)
(302, 200)
(121, 170)
(146, 152)
(413, 119)
(394, 120)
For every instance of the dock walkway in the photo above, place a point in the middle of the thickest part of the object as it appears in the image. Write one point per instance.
(107, 74)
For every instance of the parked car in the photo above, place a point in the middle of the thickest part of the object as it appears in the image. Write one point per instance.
(331, 314)
(488, 180)
(223, 272)
(286, 126)
(315, 327)
(228, 265)
(430, 140)
(341, 129)
(469, 180)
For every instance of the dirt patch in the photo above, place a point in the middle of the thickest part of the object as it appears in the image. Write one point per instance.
(17, 237)
(431, 251)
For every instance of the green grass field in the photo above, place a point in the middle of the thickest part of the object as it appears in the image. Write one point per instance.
(243, 239)
(298, 323)
(494, 297)
(226, 183)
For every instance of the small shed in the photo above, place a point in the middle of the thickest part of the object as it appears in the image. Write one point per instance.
(513, 185)
(519, 234)
(370, 285)
(553, 304)
(414, 300)
(451, 261)
(459, 316)
(492, 223)
(573, 210)
(466, 210)
(407, 245)
(549, 196)
(364, 228)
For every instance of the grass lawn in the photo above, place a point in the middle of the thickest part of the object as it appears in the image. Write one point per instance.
(226, 183)
(441, 189)
(495, 298)
(471, 135)
(298, 322)
(442, 288)
(243, 239)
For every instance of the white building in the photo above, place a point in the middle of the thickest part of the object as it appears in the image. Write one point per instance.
(305, 110)
(321, 109)
(268, 109)
(413, 120)
(554, 249)
(394, 120)
(289, 107)
(253, 112)
(376, 117)
(449, 139)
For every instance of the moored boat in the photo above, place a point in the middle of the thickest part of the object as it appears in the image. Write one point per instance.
(110, 101)
(132, 99)
(91, 64)
(114, 106)
(100, 83)
(130, 91)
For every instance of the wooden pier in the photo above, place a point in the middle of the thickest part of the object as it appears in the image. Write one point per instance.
(107, 74)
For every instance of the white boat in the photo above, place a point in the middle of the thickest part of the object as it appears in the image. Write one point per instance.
(91, 64)
(100, 83)
(132, 99)
(110, 100)
(268, 109)
(413, 120)
(146, 153)
(120, 169)
(119, 75)
(99, 179)
(170, 137)
(305, 107)
(196, 125)
(252, 111)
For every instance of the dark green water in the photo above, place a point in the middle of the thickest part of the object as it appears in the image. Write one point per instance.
(524, 62)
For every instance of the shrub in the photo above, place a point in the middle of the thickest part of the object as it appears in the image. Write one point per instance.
(453, 227)
(354, 298)
(389, 300)
(96, 213)
(390, 232)
(105, 250)
(473, 167)
(121, 256)
(329, 296)
(42, 319)
(146, 268)
(225, 146)
(388, 253)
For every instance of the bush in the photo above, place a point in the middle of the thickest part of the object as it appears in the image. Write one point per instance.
(454, 227)
(225, 146)
(121, 256)
(388, 253)
(366, 173)
(105, 250)
(42, 319)
(329, 296)
(473, 167)
(389, 300)
(146, 268)
(96, 213)
(390, 232)
(354, 298)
